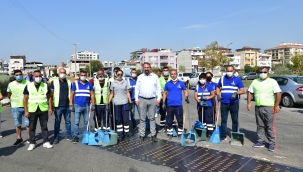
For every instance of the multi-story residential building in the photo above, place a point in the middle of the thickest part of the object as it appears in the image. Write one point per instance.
(189, 59)
(235, 59)
(82, 59)
(4, 67)
(159, 58)
(32, 66)
(108, 64)
(136, 54)
(282, 54)
(264, 60)
(248, 56)
(16, 62)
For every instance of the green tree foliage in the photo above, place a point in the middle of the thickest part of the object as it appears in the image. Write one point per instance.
(55, 71)
(95, 65)
(213, 57)
(155, 69)
(297, 61)
(281, 69)
(139, 72)
(248, 68)
(182, 68)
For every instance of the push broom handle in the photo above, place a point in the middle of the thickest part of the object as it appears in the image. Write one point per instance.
(184, 116)
(96, 120)
(88, 117)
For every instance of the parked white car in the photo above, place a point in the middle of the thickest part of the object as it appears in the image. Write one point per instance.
(184, 77)
(193, 80)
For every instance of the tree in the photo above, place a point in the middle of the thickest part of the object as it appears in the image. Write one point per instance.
(297, 61)
(281, 69)
(213, 57)
(139, 72)
(55, 72)
(95, 65)
(182, 68)
(155, 69)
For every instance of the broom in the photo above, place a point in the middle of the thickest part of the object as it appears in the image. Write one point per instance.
(100, 133)
(86, 133)
(105, 138)
(215, 137)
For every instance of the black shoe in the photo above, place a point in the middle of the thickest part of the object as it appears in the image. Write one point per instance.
(154, 139)
(56, 141)
(120, 138)
(169, 136)
(18, 142)
(75, 140)
(141, 139)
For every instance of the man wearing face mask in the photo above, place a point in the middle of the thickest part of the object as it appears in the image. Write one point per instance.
(267, 95)
(101, 99)
(37, 104)
(132, 81)
(204, 95)
(173, 92)
(15, 94)
(163, 80)
(229, 87)
(82, 95)
(60, 89)
(149, 91)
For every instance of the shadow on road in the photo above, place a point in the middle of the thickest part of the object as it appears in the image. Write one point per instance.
(7, 151)
(9, 132)
(250, 135)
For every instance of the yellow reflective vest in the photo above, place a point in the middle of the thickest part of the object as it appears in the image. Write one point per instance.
(16, 90)
(37, 98)
(56, 95)
(264, 94)
(101, 91)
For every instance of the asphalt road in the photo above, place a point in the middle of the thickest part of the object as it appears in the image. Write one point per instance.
(66, 156)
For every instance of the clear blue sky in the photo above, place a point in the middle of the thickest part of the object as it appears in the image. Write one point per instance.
(117, 27)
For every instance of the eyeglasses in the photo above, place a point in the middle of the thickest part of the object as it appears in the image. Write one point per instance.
(263, 72)
(119, 74)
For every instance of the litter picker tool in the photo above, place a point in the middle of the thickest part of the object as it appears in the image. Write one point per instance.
(105, 138)
(86, 133)
(91, 136)
(100, 134)
(215, 137)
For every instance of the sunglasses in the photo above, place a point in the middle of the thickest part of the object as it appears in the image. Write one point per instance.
(263, 72)
(119, 74)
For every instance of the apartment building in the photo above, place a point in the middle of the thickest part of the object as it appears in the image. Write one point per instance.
(4, 67)
(248, 56)
(188, 58)
(264, 60)
(16, 62)
(159, 58)
(282, 53)
(235, 59)
(136, 54)
(82, 59)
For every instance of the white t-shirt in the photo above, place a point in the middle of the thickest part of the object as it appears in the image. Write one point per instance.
(276, 87)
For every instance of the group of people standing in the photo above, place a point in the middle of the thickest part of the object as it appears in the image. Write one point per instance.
(118, 96)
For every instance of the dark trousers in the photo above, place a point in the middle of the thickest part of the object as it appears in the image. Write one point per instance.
(33, 119)
(207, 119)
(122, 118)
(171, 112)
(100, 112)
(162, 115)
(233, 108)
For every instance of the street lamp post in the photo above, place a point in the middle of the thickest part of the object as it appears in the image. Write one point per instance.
(75, 56)
(227, 48)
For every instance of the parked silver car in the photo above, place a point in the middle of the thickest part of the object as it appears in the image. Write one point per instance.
(250, 75)
(292, 89)
(193, 80)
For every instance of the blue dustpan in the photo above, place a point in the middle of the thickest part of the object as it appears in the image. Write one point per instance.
(85, 137)
(174, 133)
(91, 139)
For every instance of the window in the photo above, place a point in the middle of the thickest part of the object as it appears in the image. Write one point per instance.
(281, 81)
(171, 64)
(180, 75)
(172, 57)
(298, 80)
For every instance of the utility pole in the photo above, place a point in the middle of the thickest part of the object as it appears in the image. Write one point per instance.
(75, 57)
(90, 68)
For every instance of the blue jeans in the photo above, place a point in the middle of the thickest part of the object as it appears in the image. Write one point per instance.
(59, 111)
(18, 113)
(132, 113)
(80, 110)
(233, 108)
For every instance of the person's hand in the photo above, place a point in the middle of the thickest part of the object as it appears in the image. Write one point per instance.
(71, 108)
(277, 109)
(248, 107)
(137, 103)
(50, 111)
(218, 98)
(163, 106)
(157, 102)
(26, 114)
(130, 106)
(205, 97)
(92, 108)
(201, 103)
(234, 96)
(186, 99)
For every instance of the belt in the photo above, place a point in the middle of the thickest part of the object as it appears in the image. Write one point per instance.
(147, 98)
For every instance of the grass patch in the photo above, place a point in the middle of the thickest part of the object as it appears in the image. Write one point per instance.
(247, 82)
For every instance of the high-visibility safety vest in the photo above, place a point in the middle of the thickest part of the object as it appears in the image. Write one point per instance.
(0, 106)
(37, 98)
(264, 94)
(81, 92)
(17, 93)
(163, 82)
(101, 91)
(52, 78)
(56, 95)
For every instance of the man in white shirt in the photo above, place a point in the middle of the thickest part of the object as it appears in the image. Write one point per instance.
(149, 91)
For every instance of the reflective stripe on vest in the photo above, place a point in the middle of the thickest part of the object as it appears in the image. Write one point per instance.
(101, 91)
(81, 92)
(264, 94)
(228, 89)
(56, 95)
(37, 98)
(17, 89)
(203, 93)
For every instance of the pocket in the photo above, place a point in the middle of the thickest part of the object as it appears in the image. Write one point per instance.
(126, 107)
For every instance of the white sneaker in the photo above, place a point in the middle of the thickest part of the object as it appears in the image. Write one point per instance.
(0, 134)
(27, 141)
(47, 145)
(31, 147)
(156, 115)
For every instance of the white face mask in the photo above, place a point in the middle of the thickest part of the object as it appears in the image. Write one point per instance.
(229, 74)
(202, 81)
(62, 75)
(83, 78)
(263, 75)
(165, 73)
(134, 75)
(174, 80)
(38, 80)
(101, 78)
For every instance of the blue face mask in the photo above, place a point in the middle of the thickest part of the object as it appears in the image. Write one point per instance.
(19, 78)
